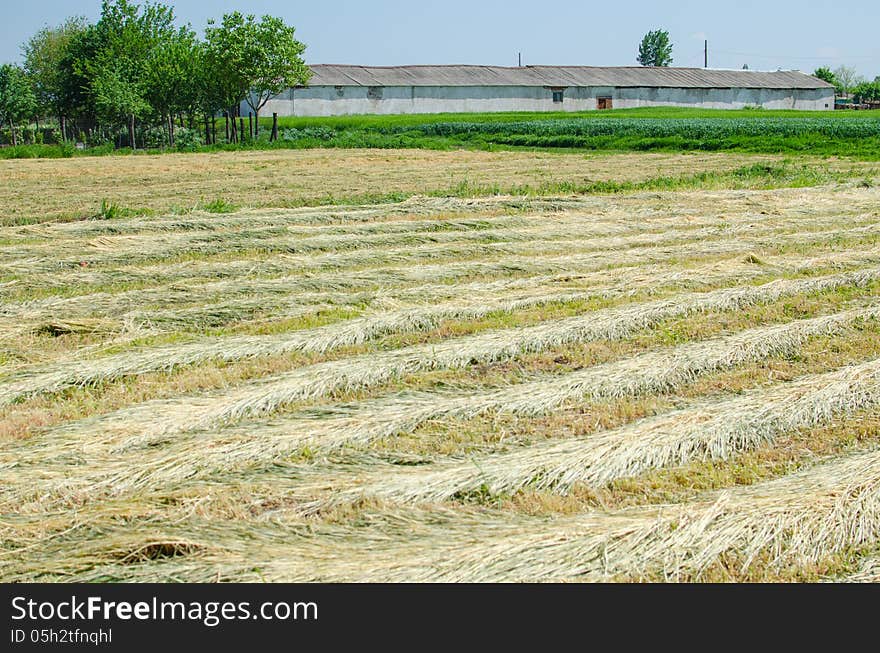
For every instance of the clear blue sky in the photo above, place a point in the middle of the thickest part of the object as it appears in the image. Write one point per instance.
(765, 34)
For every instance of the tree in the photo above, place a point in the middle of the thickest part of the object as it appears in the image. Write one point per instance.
(655, 49)
(847, 78)
(867, 92)
(117, 100)
(17, 99)
(170, 76)
(43, 57)
(260, 58)
(127, 34)
(826, 75)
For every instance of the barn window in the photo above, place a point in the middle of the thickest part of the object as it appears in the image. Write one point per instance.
(557, 96)
(374, 92)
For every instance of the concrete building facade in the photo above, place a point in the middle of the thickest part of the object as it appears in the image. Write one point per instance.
(344, 90)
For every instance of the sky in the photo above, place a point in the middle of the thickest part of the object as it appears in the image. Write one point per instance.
(765, 35)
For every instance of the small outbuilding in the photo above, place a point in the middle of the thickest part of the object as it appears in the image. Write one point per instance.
(342, 90)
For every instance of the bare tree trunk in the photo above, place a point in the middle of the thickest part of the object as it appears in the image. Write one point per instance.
(131, 140)
(256, 122)
(14, 137)
(213, 129)
(62, 122)
(274, 127)
(226, 117)
(251, 124)
(207, 130)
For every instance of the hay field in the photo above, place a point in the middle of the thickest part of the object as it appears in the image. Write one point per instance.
(665, 386)
(180, 183)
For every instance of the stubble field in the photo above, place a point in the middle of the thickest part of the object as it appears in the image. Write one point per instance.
(666, 385)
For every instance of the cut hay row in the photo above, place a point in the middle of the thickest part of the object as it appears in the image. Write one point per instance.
(660, 207)
(255, 225)
(362, 371)
(322, 238)
(868, 572)
(128, 250)
(142, 432)
(789, 522)
(328, 217)
(290, 292)
(56, 273)
(715, 430)
(198, 308)
(77, 371)
(443, 264)
(275, 237)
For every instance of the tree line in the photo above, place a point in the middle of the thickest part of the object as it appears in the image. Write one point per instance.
(847, 82)
(135, 76)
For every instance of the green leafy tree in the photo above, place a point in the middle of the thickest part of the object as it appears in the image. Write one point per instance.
(44, 54)
(255, 59)
(117, 100)
(17, 99)
(127, 34)
(826, 75)
(76, 100)
(867, 92)
(655, 49)
(209, 96)
(170, 76)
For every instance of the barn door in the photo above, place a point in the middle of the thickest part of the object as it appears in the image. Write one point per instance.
(603, 103)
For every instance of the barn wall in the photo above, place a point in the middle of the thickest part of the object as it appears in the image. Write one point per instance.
(338, 100)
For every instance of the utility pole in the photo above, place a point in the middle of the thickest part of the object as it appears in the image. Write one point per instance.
(706, 53)
(519, 59)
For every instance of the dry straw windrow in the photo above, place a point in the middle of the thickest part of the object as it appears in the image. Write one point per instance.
(612, 323)
(868, 572)
(143, 432)
(128, 249)
(677, 207)
(714, 430)
(306, 473)
(51, 253)
(332, 217)
(197, 305)
(789, 522)
(566, 250)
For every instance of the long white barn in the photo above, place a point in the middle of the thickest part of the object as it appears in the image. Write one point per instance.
(342, 90)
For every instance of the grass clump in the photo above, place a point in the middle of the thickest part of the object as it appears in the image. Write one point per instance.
(219, 205)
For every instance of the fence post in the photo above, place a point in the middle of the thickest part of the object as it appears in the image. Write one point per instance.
(274, 126)
(241, 127)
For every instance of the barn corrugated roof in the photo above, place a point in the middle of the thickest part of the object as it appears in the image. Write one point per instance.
(635, 76)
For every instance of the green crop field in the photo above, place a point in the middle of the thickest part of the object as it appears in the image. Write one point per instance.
(841, 133)
(851, 134)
